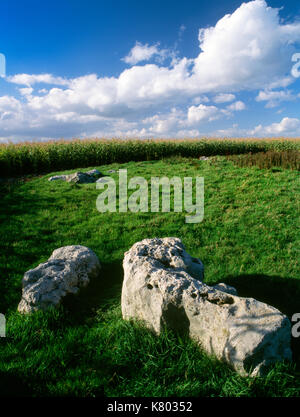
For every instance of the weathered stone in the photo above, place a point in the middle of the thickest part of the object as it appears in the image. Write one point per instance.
(168, 253)
(225, 288)
(58, 177)
(67, 270)
(162, 287)
(79, 177)
(94, 173)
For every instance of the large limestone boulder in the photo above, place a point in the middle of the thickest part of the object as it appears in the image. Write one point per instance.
(162, 287)
(67, 270)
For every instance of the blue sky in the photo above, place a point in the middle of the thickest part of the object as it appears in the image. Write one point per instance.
(149, 69)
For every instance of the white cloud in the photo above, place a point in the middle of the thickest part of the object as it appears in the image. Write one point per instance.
(145, 52)
(163, 124)
(232, 131)
(200, 99)
(281, 82)
(237, 106)
(246, 49)
(224, 98)
(26, 91)
(274, 98)
(200, 113)
(287, 126)
(188, 133)
(29, 80)
(9, 103)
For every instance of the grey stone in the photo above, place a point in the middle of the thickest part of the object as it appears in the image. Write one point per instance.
(162, 287)
(67, 270)
(94, 173)
(225, 288)
(58, 177)
(79, 177)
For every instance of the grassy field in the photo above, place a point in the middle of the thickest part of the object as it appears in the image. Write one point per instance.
(248, 239)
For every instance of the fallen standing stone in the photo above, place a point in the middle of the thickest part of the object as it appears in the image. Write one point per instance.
(67, 270)
(79, 177)
(162, 287)
(94, 173)
(58, 177)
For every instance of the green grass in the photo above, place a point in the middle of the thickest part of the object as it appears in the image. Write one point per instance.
(248, 238)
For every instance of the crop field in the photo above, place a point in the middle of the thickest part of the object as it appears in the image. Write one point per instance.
(36, 158)
(249, 238)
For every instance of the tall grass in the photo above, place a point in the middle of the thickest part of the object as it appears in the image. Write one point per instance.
(38, 158)
(288, 159)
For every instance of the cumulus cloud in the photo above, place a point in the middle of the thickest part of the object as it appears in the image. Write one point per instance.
(31, 79)
(162, 124)
(200, 99)
(246, 49)
(200, 113)
(145, 52)
(237, 106)
(224, 98)
(273, 98)
(287, 126)
(9, 103)
(26, 91)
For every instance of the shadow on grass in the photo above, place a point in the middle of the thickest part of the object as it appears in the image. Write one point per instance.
(100, 292)
(12, 385)
(281, 293)
(15, 201)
